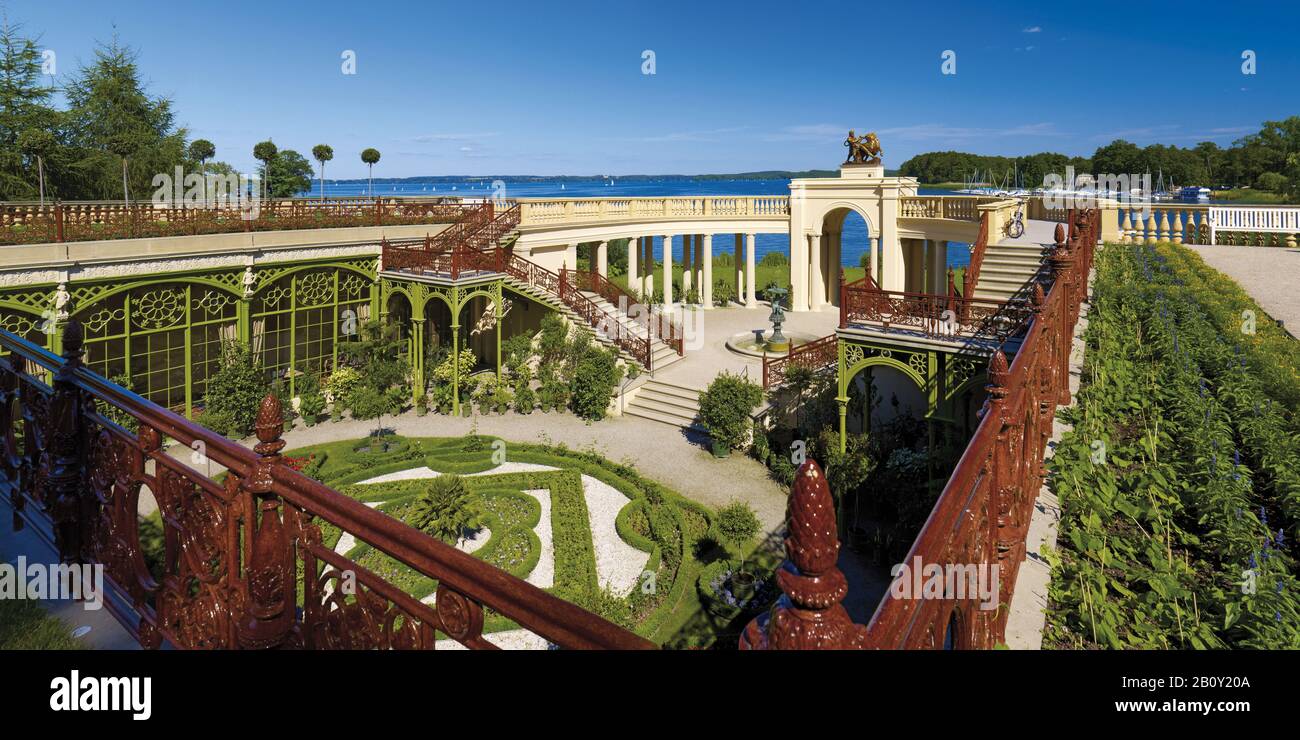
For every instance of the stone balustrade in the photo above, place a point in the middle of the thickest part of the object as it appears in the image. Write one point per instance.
(560, 211)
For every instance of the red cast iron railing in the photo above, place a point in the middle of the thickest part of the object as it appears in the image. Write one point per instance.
(472, 245)
(814, 355)
(981, 518)
(32, 223)
(972, 276)
(243, 562)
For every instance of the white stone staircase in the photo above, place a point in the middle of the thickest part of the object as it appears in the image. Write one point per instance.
(661, 354)
(1006, 269)
(668, 403)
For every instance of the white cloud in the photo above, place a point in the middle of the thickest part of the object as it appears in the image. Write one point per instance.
(1033, 29)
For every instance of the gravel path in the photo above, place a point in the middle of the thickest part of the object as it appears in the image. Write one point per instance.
(674, 457)
(1266, 273)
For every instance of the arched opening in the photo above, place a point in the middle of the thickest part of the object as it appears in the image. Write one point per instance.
(847, 246)
(399, 313)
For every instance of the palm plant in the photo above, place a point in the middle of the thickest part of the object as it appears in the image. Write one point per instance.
(37, 143)
(322, 153)
(266, 152)
(371, 157)
(444, 510)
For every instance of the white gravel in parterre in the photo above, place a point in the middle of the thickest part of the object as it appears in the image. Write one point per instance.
(618, 564)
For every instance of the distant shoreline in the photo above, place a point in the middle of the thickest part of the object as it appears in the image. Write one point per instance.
(762, 175)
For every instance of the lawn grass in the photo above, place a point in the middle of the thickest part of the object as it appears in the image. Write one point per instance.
(25, 625)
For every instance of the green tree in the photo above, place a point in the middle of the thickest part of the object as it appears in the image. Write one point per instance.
(113, 123)
(290, 174)
(736, 524)
(266, 152)
(201, 150)
(371, 157)
(377, 356)
(23, 107)
(594, 381)
(322, 153)
(725, 409)
(37, 144)
(444, 509)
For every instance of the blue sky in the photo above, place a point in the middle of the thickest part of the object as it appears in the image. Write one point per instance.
(557, 88)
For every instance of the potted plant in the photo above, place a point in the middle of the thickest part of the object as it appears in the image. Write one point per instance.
(422, 404)
(726, 409)
(311, 402)
(736, 525)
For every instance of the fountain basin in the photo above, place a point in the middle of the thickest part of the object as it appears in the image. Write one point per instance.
(744, 343)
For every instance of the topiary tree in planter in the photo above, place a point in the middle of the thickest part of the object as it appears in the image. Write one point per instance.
(726, 409)
(311, 401)
(736, 525)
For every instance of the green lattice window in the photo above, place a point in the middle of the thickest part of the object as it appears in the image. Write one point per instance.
(164, 339)
(299, 320)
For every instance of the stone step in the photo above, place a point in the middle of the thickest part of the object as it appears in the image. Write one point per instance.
(687, 406)
(660, 412)
(683, 392)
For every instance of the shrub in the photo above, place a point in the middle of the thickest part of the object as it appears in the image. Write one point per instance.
(594, 381)
(340, 383)
(311, 402)
(525, 398)
(236, 389)
(726, 407)
(774, 259)
(443, 510)
(1272, 182)
(445, 369)
(724, 292)
(220, 422)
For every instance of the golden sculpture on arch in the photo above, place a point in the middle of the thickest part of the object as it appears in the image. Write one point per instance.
(863, 149)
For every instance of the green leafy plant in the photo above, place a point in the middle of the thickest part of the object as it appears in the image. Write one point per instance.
(235, 391)
(594, 382)
(443, 509)
(726, 409)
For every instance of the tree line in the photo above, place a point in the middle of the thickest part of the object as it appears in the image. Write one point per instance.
(1266, 160)
(112, 136)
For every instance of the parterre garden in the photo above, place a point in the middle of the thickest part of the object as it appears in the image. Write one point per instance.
(1180, 481)
(679, 536)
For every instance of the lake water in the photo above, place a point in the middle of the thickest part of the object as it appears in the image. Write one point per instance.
(854, 242)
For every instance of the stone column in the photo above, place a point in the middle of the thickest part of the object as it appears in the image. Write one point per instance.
(816, 291)
(706, 276)
(938, 266)
(649, 268)
(687, 280)
(751, 297)
(739, 278)
(668, 270)
(873, 257)
(699, 263)
(602, 259)
(633, 279)
(836, 259)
